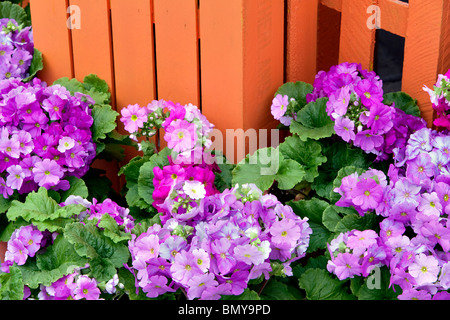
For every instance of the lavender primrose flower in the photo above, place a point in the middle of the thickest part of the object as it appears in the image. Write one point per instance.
(217, 252)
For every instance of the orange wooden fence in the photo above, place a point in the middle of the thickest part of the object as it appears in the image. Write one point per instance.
(343, 35)
(229, 56)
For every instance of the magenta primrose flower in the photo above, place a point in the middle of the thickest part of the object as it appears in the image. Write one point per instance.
(86, 289)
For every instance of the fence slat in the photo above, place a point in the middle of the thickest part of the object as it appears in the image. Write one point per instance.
(134, 70)
(92, 53)
(394, 14)
(242, 62)
(52, 37)
(92, 49)
(422, 49)
(301, 42)
(177, 50)
(357, 40)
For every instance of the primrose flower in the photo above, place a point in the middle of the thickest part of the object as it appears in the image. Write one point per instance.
(279, 106)
(86, 288)
(194, 189)
(133, 117)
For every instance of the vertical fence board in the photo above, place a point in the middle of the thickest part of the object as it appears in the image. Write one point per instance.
(444, 52)
(263, 60)
(52, 37)
(92, 53)
(242, 63)
(357, 40)
(134, 70)
(301, 40)
(92, 49)
(177, 50)
(422, 47)
(221, 46)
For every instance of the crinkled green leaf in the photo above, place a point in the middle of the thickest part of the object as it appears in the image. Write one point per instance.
(246, 295)
(97, 89)
(58, 260)
(320, 285)
(313, 121)
(377, 286)
(111, 229)
(308, 153)
(13, 11)
(90, 242)
(402, 101)
(77, 188)
(11, 284)
(297, 90)
(73, 85)
(38, 205)
(104, 121)
(355, 221)
(339, 154)
(331, 218)
(266, 166)
(313, 210)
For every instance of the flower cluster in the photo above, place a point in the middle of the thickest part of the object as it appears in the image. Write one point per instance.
(24, 243)
(45, 136)
(186, 129)
(415, 231)
(27, 241)
(355, 104)
(364, 192)
(76, 286)
(356, 253)
(218, 243)
(440, 98)
(176, 184)
(96, 210)
(16, 49)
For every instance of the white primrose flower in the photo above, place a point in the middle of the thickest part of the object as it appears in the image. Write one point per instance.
(194, 189)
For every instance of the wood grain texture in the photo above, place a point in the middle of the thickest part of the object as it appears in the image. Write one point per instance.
(357, 41)
(177, 50)
(422, 51)
(301, 40)
(53, 38)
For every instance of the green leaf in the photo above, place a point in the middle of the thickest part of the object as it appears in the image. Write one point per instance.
(38, 205)
(277, 290)
(97, 89)
(402, 101)
(313, 210)
(339, 154)
(111, 229)
(13, 11)
(90, 242)
(331, 218)
(104, 121)
(246, 295)
(58, 260)
(266, 166)
(320, 285)
(355, 221)
(308, 153)
(377, 286)
(313, 121)
(297, 90)
(11, 284)
(36, 65)
(77, 188)
(72, 85)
